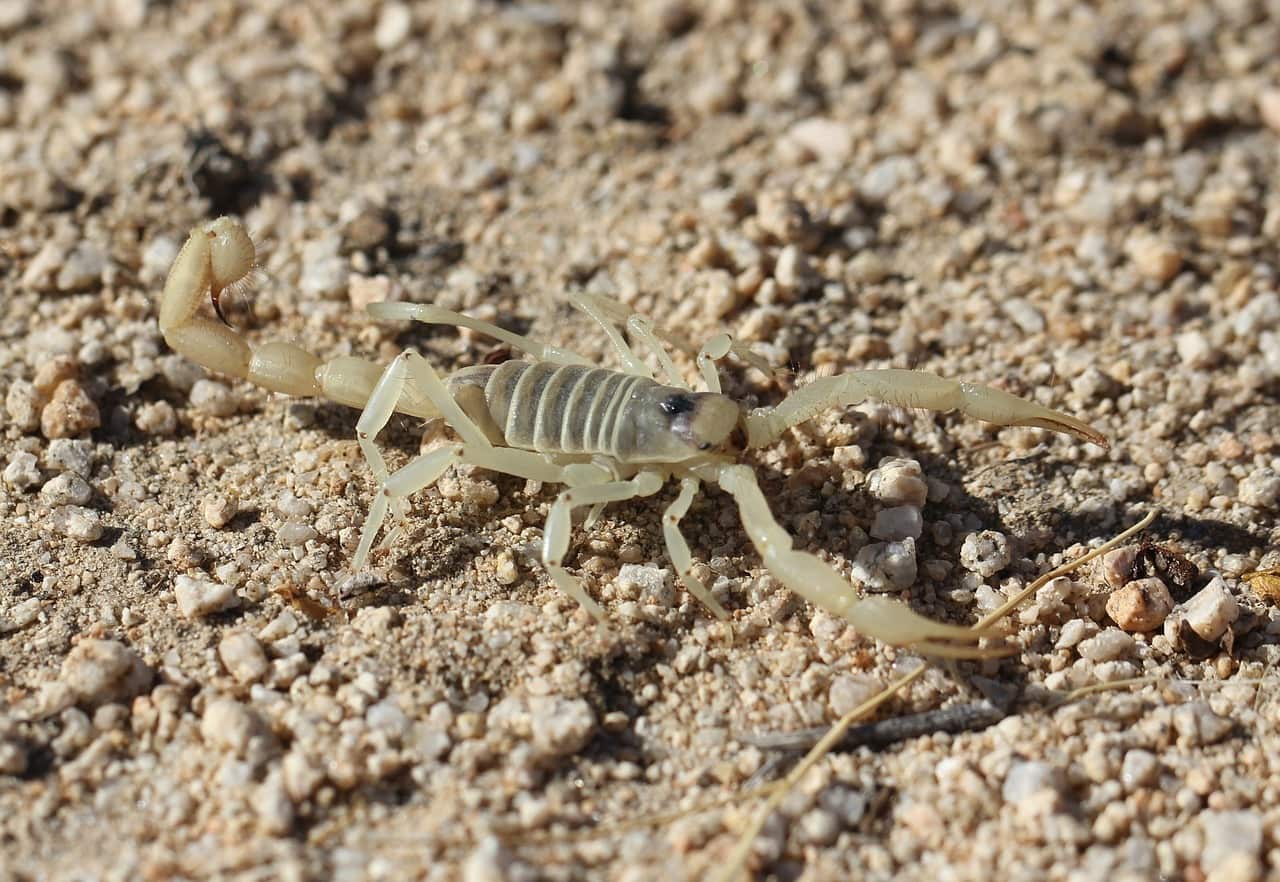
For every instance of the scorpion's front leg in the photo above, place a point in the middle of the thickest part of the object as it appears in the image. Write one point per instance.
(910, 389)
(882, 618)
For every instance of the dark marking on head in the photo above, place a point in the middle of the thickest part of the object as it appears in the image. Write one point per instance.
(675, 405)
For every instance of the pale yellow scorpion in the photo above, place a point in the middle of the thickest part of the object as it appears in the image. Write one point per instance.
(608, 435)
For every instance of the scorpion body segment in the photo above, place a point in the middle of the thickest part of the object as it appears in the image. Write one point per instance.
(607, 435)
(572, 409)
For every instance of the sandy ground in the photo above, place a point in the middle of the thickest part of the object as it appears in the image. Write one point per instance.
(1074, 202)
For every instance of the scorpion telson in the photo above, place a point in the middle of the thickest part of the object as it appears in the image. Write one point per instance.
(607, 435)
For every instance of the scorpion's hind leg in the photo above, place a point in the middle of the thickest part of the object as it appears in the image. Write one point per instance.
(882, 618)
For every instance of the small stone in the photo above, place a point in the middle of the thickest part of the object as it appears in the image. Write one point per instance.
(886, 566)
(823, 139)
(13, 757)
(22, 471)
(899, 522)
(395, 23)
(505, 568)
(490, 862)
(818, 827)
(102, 671)
(1109, 644)
(847, 691)
(898, 482)
(1261, 489)
(652, 583)
(296, 535)
(1141, 605)
(1212, 610)
(233, 727)
(197, 597)
(76, 522)
(1027, 779)
(214, 398)
(73, 455)
(1027, 317)
(156, 418)
(793, 272)
(66, 489)
(273, 806)
(82, 269)
(1117, 565)
(243, 657)
(886, 177)
(1139, 769)
(55, 371)
(23, 402)
(70, 412)
(1195, 350)
(219, 509)
(559, 726)
(300, 775)
(1153, 257)
(985, 553)
(1269, 108)
(1196, 722)
(1228, 834)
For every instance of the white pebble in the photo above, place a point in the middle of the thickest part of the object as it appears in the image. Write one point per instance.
(898, 482)
(66, 489)
(219, 509)
(1212, 610)
(198, 597)
(886, 566)
(23, 402)
(847, 691)
(82, 269)
(73, 455)
(793, 272)
(490, 862)
(232, 726)
(22, 471)
(825, 139)
(560, 726)
(1109, 644)
(156, 418)
(386, 716)
(1028, 778)
(296, 535)
(1194, 349)
(1228, 834)
(886, 177)
(899, 522)
(395, 23)
(243, 657)
(653, 583)
(301, 776)
(102, 671)
(985, 553)
(13, 757)
(1139, 769)
(326, 277)
(272, 805)
(1196, 722)
(1261, 489)
(214, 398)
(76, 522)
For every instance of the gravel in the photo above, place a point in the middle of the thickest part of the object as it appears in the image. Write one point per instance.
(1073, 202)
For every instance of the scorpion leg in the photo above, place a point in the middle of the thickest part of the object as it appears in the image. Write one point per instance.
(881, 618)
(641, 327)
(630, 364)
(436, 315)
(559, 523)
(910, 389)
(678, 548)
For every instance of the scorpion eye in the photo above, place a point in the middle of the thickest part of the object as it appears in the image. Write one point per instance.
(677, 404)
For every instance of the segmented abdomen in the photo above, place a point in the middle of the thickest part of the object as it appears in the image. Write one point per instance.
(554, 408)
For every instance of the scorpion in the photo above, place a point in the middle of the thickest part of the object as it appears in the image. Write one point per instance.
(607, 435)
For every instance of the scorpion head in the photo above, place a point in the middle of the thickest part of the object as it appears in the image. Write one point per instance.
(674, 425)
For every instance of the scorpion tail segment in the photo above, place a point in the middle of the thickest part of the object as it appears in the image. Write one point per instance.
(881, 618)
